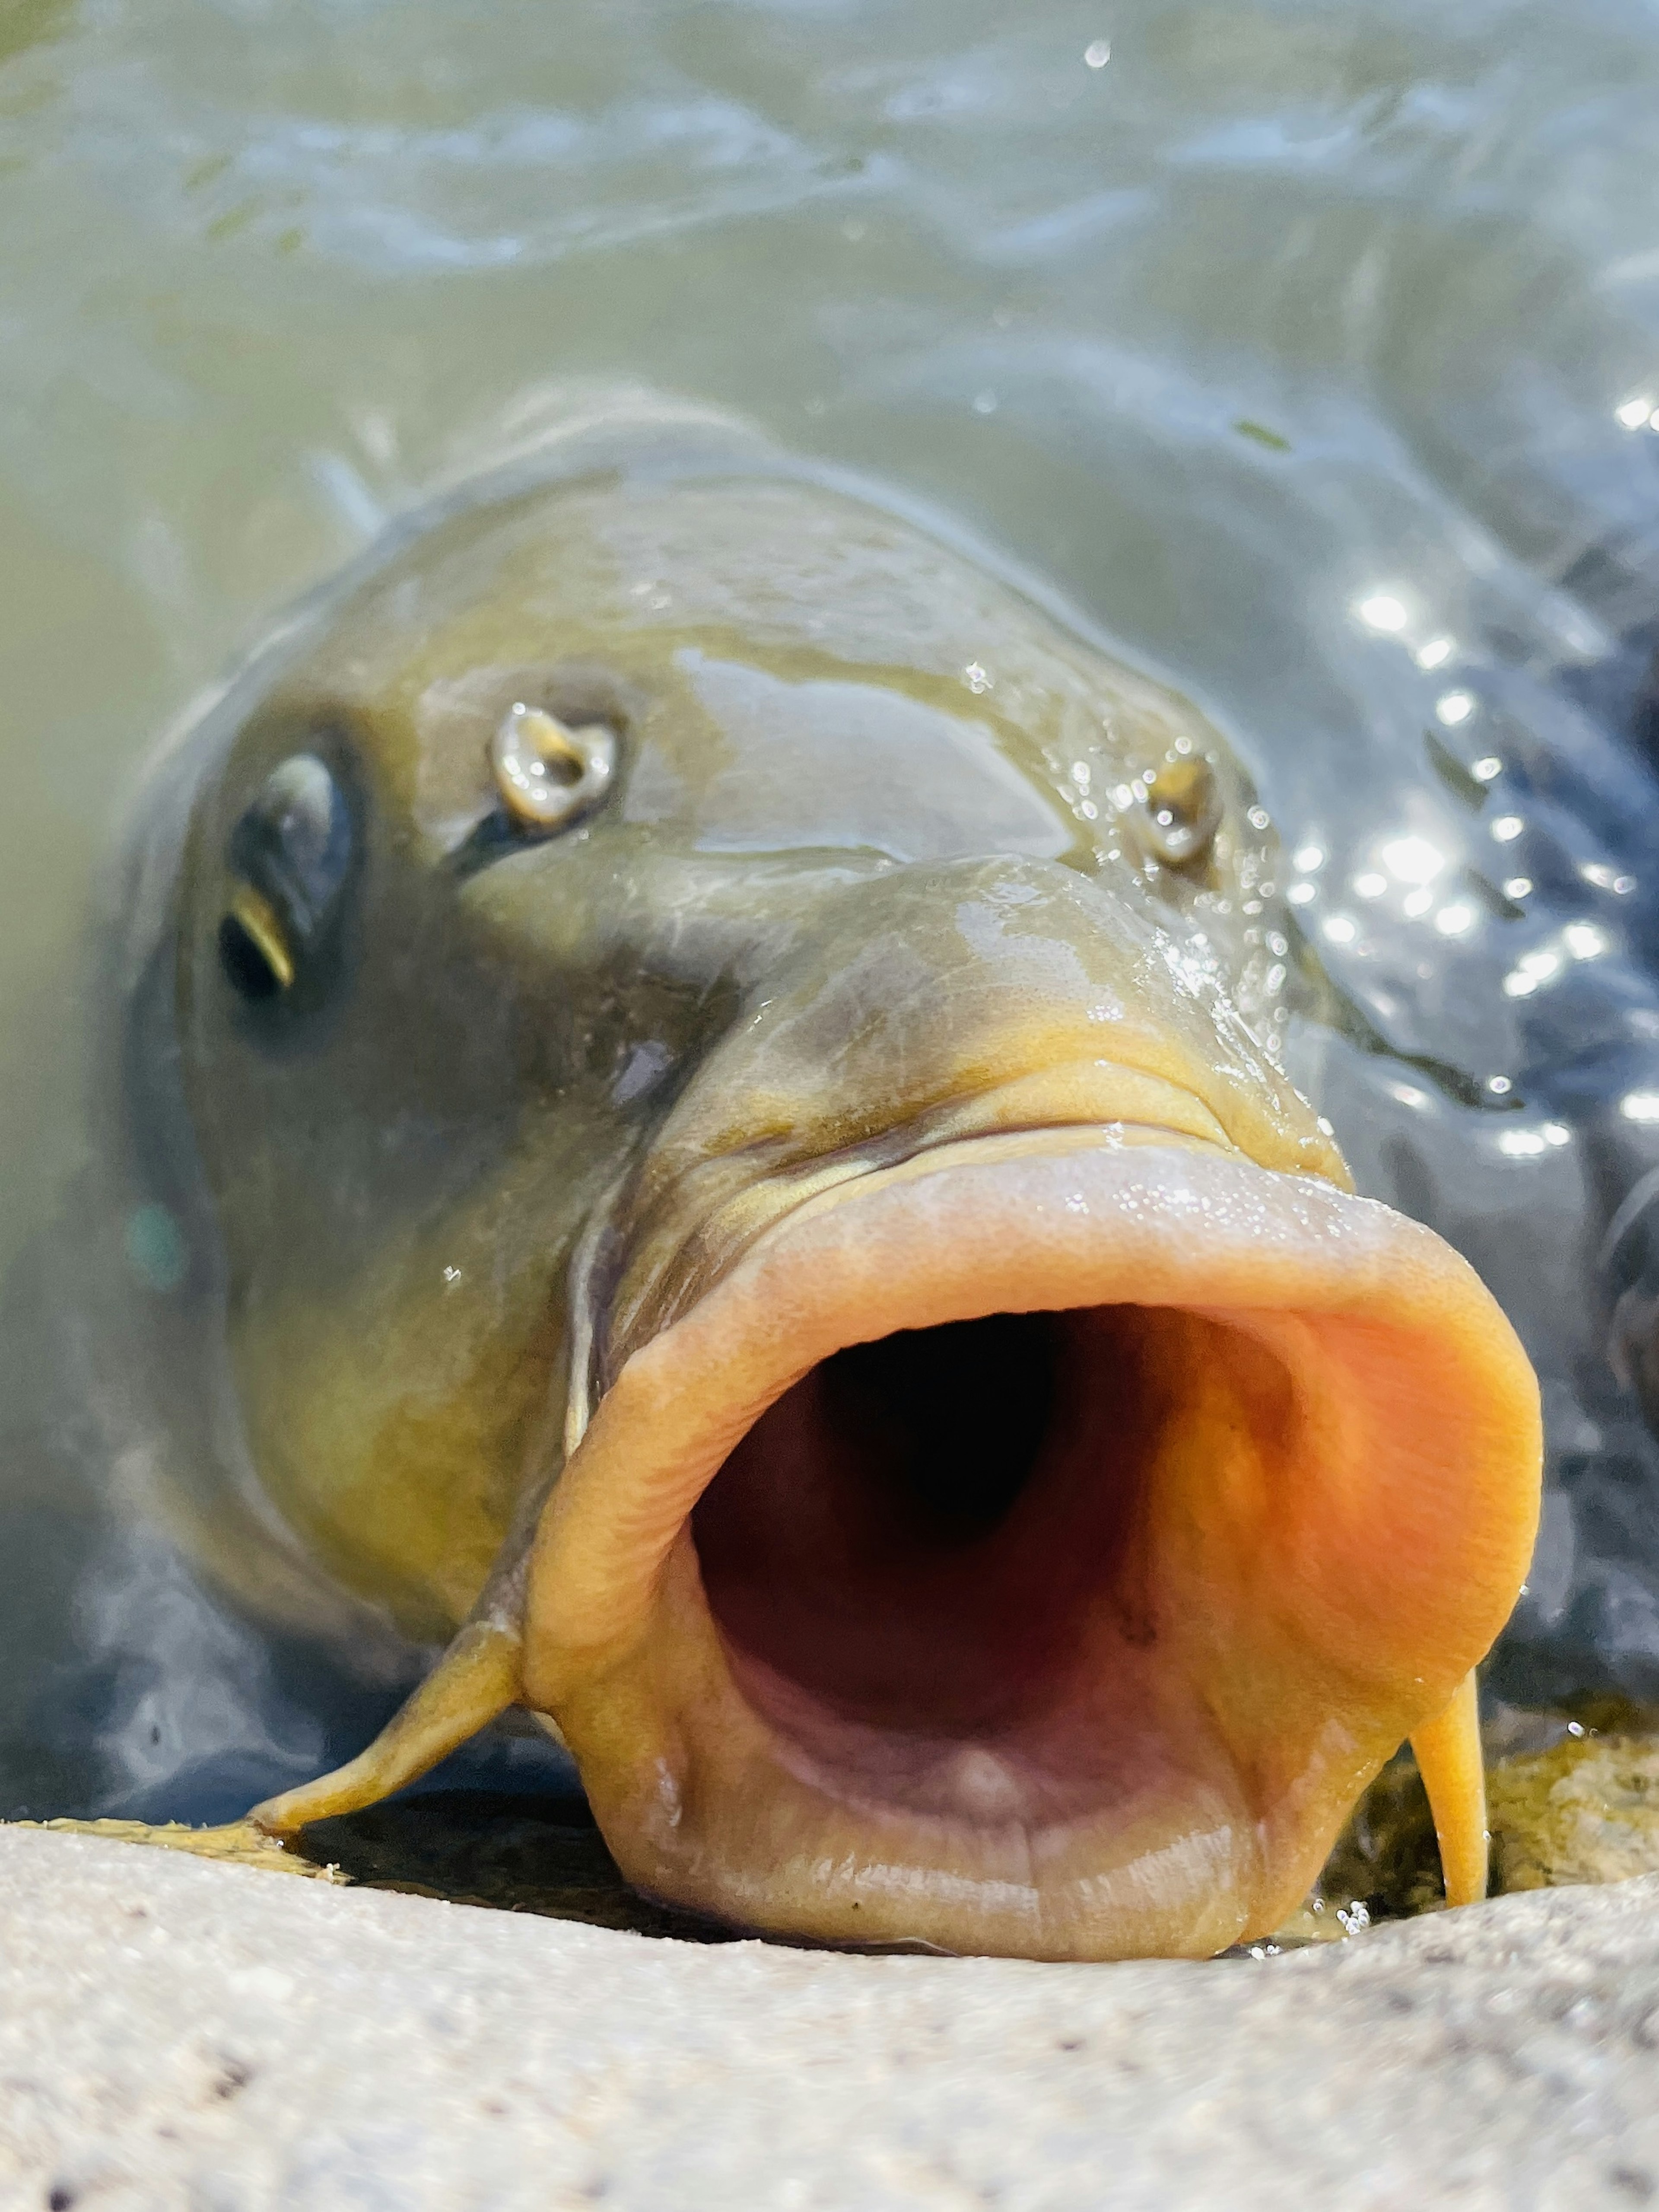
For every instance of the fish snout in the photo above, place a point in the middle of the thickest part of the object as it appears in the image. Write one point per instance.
(935, 1004)
(1027, 1497)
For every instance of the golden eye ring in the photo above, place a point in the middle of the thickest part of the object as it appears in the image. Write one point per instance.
(547, 774)
(254, 944)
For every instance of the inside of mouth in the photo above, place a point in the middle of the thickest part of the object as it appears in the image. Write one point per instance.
(932, 1562)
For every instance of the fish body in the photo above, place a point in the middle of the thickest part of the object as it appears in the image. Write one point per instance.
(731, 1065)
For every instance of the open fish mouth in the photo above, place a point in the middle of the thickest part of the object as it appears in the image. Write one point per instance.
(1034, 1547)
(1025, 1498)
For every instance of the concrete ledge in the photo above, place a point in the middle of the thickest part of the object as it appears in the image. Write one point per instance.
(174, 2032)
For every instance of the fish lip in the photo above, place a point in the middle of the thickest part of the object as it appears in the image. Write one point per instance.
(708, 1236)
(614, 1558)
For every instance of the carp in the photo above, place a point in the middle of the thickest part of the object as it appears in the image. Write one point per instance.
(732, 1058)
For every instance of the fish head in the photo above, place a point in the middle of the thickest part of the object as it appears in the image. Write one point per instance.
(733, 1055)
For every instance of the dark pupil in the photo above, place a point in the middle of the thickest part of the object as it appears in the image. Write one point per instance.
(249, 972)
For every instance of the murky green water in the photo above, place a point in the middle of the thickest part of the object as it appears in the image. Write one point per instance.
(1310, 347)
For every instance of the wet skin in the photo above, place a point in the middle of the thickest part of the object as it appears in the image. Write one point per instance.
(811, 1265)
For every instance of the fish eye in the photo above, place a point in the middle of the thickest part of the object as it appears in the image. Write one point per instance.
(288, 858)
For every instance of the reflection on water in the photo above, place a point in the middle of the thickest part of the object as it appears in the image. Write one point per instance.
(1309, 345)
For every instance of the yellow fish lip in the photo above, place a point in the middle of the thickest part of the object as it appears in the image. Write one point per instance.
(687, 1221)
(1284, 1505)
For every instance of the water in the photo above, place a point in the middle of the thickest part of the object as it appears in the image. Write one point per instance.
(1310, 347)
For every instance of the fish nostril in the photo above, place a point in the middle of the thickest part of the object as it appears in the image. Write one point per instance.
(1180, 813)
(547, 772)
